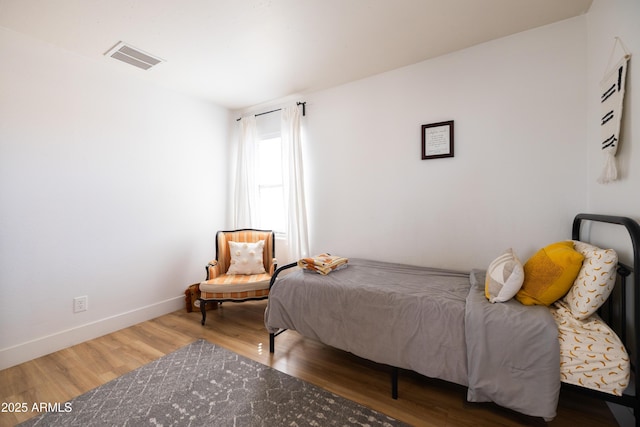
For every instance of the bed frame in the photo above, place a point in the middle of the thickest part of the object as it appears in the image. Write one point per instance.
(614, 313)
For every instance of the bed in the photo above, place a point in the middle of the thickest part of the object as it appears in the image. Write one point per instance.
(439, 323)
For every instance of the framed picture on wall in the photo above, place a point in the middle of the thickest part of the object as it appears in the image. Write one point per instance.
(437, 140)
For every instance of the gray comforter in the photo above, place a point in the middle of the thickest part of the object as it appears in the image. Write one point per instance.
(432, 321)
(513, 353)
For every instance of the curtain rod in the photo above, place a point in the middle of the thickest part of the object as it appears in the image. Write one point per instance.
(304, 111)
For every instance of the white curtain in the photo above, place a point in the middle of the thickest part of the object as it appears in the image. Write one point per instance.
(245, 204)
(295, 208)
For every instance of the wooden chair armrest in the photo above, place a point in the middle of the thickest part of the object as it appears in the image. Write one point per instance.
(274, 266)
(213, 269)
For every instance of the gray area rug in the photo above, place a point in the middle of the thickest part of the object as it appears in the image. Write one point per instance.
(202, 384)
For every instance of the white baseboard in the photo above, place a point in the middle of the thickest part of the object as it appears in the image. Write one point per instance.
(29, 350)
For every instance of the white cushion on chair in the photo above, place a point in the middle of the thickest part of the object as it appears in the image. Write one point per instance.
(246, 258)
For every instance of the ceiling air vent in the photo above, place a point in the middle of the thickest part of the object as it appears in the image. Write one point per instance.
(133, 56)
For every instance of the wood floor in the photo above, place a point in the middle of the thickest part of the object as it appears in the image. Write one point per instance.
(68, 373)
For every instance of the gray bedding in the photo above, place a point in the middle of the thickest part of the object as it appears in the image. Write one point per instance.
(424, 319)
(513, 353)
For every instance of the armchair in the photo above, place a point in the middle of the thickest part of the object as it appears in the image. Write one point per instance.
(239, 273)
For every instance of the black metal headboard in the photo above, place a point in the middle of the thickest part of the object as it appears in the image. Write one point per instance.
(615, 312)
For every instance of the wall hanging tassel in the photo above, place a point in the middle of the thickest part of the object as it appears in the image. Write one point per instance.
(611, 99)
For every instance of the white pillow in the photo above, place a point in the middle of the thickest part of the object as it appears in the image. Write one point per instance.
(595, 281)
(246, 258)
(505, 276)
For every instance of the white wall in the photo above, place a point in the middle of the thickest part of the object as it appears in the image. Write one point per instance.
(518, 175)
(109, 187)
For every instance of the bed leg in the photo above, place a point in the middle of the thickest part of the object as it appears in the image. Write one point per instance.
(394, 383)
(272, 343)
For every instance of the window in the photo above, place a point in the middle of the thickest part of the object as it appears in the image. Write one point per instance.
(270, 185)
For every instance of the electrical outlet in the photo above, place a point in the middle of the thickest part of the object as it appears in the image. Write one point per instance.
(80, 304)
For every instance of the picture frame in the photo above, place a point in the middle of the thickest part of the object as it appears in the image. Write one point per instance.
(437, 140)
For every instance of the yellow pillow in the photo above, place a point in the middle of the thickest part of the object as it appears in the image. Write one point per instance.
(549, 274)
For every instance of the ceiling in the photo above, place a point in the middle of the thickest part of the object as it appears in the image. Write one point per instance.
(240, 53)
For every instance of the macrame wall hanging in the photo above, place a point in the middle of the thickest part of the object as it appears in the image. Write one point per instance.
(611, 99)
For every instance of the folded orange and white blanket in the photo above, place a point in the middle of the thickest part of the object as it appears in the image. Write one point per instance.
(323, 263)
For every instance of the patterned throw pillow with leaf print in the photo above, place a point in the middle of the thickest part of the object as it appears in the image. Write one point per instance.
(595, 281)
